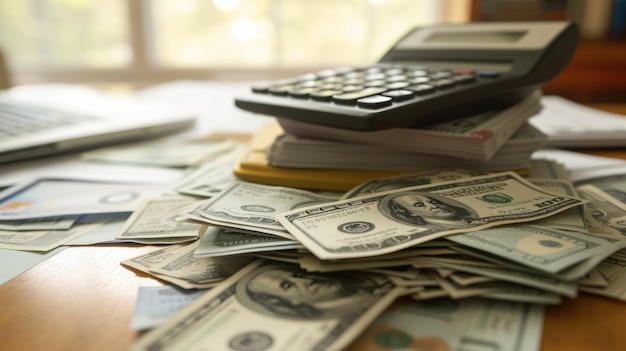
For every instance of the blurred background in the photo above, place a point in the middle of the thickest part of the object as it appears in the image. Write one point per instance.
(146, 42)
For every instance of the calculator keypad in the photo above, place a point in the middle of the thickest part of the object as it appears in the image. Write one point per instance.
(373, 87)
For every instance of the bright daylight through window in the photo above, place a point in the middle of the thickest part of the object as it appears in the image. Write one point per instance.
(91, 40)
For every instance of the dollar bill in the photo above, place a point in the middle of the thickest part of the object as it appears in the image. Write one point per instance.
(541, 248)
(225, 242)
(255, 205)
(199, 270)
(610, 179)
(156, 218)
(278, 306)
(208, 180)
(446, 324)
(156, 304)
(46, 223)
(604, 216)
(548, 169)
(406, 180)
(191, 214)
(146, 262)
(565, 288)
(381, 223)
(42, 240)
(614, 269)
(572, 219)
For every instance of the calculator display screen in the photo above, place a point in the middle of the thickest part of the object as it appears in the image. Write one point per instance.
(475, 37)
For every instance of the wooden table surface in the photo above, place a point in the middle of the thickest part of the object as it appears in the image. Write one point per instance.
(83, 299)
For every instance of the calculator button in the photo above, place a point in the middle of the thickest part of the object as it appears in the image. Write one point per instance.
(394, 71)
(417, 73)
(310, 84)
(444, 83)
(330, 86)
(419, 80)
(376, 101)
(375, 83)
(399, 95)
(488, 74)
(351, 98)
(375, 76)
(398, 85)
(396, 78)
(354, 81)
(325, 95)
(355, 75)
(280, 89)
(302, 93)
(260, 88)
(351, 88)
(421, 89)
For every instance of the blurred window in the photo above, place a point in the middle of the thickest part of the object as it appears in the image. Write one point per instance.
(145, 39)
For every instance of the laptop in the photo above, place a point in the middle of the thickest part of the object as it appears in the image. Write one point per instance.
(51, 120)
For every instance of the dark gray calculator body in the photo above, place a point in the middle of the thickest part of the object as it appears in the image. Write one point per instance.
(430, 75)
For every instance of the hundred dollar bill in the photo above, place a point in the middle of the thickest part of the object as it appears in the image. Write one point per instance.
(199, 270)
(446, 324)
(42, 240)
(191, 214)
(224, 242)
(405, 180)
(278, 307)
(572, 219)
(46, 223)
(548, 169)
(208, 180)
(610, 179)
(385, 222)
(256, 205)
(156, 304)
(537, 281)
(146, 262)
(614, 269)
(604, 215)
(156, 218)
(541, 248)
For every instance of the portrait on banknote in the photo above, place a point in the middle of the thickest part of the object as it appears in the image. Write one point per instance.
(427, 209)
(286, 291)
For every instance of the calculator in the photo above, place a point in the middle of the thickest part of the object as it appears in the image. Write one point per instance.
(432, 74)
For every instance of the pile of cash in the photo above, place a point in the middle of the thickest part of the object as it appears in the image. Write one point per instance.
(496, 140)
(466, 257)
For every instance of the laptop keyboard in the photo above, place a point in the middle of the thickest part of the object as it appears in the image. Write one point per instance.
(17, 119)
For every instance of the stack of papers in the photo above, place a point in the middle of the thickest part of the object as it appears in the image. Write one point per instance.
(571, 125)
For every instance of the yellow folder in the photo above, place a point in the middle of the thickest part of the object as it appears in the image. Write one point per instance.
(254, 167)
